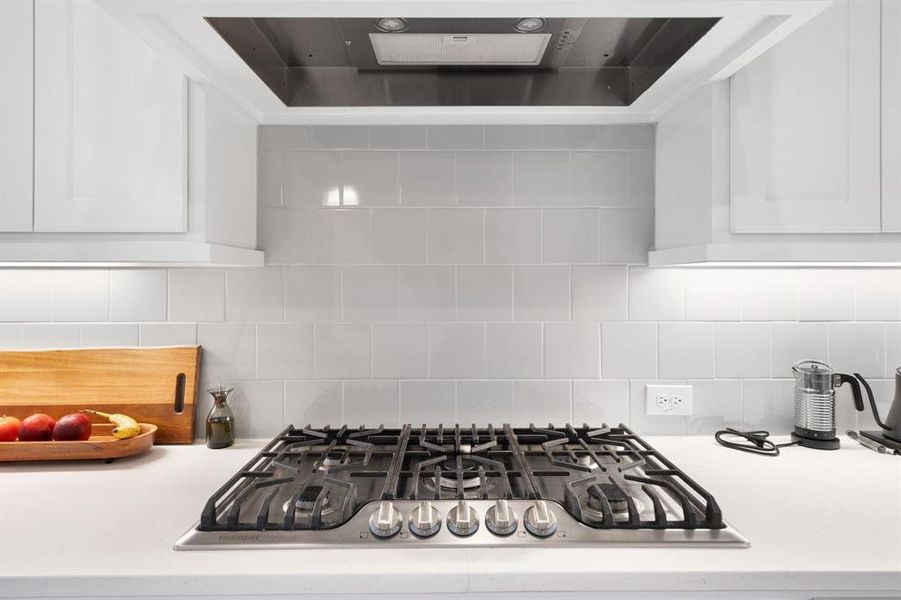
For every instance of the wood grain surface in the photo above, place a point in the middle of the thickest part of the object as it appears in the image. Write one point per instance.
(101, 445)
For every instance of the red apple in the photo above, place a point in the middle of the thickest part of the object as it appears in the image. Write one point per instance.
(9, 428)
(37, 428)
(74, 426)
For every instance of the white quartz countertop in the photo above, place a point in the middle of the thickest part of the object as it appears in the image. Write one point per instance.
(820, 523)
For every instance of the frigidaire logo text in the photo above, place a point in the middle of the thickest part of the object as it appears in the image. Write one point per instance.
(240, 537)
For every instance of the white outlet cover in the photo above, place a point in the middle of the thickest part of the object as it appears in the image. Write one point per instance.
(668, 400)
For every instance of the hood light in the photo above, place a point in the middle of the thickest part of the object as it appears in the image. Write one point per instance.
(391, 24)
(530, 25)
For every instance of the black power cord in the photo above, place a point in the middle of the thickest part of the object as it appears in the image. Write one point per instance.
(755, 442)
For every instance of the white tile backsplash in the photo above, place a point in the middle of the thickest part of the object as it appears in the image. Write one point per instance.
(448, 273)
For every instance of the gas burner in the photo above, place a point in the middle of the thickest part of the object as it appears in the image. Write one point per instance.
(587, 461)
(449, 476)
(333, 459)
(307, 501)
(593, 508)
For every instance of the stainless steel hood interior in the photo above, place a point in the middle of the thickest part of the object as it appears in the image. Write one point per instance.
(460, 61)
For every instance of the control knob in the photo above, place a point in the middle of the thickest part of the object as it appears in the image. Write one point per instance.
(540, 520)
(425, 520)
(386, 521)
(462, 519)
(500, 518)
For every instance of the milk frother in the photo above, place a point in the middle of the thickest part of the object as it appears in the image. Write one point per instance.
(815, 384)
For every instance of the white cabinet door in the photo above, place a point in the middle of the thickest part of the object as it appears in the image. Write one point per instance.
(891, 115)
(16, 105)
(805, 128)
(110, 126)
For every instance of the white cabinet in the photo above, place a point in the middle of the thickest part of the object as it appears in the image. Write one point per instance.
(16, 102)
(805, 128)
(891, 115)
(110, 126)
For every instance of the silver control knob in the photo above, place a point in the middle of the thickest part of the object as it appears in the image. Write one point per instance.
(386, 521)
(462, 519)
(425, 520)
(500, 518)
(540, 520)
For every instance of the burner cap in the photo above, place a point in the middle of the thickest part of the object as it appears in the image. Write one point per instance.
(615, 497)
(308, 497)
(336, 457)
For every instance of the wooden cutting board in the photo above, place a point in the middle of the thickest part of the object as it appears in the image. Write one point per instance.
(151, 385)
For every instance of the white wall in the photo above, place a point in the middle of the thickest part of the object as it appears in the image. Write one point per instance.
(485, 274)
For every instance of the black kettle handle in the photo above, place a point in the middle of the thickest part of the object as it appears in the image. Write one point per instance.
(872, 400)
(855, 389)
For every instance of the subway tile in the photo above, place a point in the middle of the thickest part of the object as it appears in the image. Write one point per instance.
(656, 294)
(713, 294)
(397, 137)
(541, 178)
(196, 295)
(254, 295)
(25, 295)
(791, 342)
(566, 137)
(282, 137)
(426, 293)
(399, 236)
(400, 350)
(313, 293)
(485, 178)
(857, 348)
(427, 178)
(685, 350)
(456, 236)
(270, 178)
(512, 137)
(892, 349)
(340, 136)
(513, 236)
(311, 178)
(285, 235)
(455, 137)
(742, 350)
(12, 336)
(259, 408)
(599, 402)
(369, 293)
(491, 401)
(137, 294)
(541, 403)
(716, 404)
(429, 403)
(877, 294)
(820, 300)
(51, 335)
(109, 335)
(541, 293)
(484, 293)
(457, 350)
(641, 178)
(626, 235)
(600, 179)
(768, 404)
(769, 295)
(80, 295)
(600, 293)
(370, 179)
(572, 350)
(341, 236)
(316, 403)
(653, 424)
(627, 137)
(284, 351)
(167, 334)
(341, 351)
(371, 403)
(513, 350)
(629, 350)
(229, 350)
(570, 236)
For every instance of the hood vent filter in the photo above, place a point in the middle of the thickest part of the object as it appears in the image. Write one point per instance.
(435, 49)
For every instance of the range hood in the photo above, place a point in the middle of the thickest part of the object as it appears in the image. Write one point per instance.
(528, 61)
(462, 61)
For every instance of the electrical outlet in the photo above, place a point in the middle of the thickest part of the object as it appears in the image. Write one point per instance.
(668, 400)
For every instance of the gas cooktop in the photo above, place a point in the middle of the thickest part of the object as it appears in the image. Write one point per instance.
(459, 486)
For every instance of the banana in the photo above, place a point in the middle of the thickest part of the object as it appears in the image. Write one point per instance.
(125, 426)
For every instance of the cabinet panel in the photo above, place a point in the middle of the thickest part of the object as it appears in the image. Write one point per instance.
(16, 105)
(805, 149)
(891, 115)
(110, 126)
